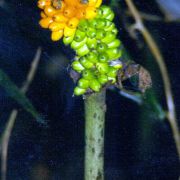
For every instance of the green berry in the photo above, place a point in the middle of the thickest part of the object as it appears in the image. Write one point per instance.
(83, 25)
(108, 23)
(108, 38)
(99, 13)
(102, 67)
(76, 65)
(82, 50)
(114, 31)
(91, 32)
(100, 34)
(110, 27)
(100, 23)
(110, 17)
(83, 83)
(87, 74)
(76, 45)
(93, 23)
(103, 57)
(112, 79)
(95, 85)
(91, 43)
(79, 35)
(114, 44)
(112, 72)
(87, 64)
(103, 79)
(113, 53)
(92, 57)
(67, 39)
(79, 91)
(105, 11)
(101, 47)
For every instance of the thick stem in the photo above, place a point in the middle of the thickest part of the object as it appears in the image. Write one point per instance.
(95, 108)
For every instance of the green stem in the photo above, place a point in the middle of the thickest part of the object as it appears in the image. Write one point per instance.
(95, 108)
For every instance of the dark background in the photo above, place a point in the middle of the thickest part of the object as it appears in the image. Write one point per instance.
(137, 144)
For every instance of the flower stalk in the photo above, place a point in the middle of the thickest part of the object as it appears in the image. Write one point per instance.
(95, 109)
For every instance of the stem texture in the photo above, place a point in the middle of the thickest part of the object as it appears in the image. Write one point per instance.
(95, 109)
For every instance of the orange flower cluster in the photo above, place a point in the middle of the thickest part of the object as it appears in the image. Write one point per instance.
(62, 16)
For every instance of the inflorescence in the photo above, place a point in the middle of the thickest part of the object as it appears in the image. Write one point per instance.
(89, 30)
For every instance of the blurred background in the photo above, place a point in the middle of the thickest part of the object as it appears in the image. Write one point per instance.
(138, 143)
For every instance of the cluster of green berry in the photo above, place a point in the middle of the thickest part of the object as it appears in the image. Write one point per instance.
(96, 45)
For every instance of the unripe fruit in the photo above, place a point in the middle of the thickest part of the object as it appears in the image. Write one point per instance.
(54, 26)
(114, 44)
(114, 31)
(112, 79)
(92, 57)
(103, 57)
(99, 13)
(95, 85)
(83, 25)
(76, 45)
(102, 67)
(91, 32)
(45, 22)
(109, 37)
(118, 55)
(83, 83)
(100, 33)
(87, 74)
(79, 91)
(100, 23)
(91, 43)
(67, 39)
(103, 79)
(79, 35)
(57, 35)
(93, 23)
(110, 17)
(76, 65)
(110, 27)
(87, 64)
(69, 31)
(112, 72)
(105, 11)
(113, 53)
(108, 23)
(101, 47)
(82, 50)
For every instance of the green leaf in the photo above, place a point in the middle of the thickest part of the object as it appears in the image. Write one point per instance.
(14, 92)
